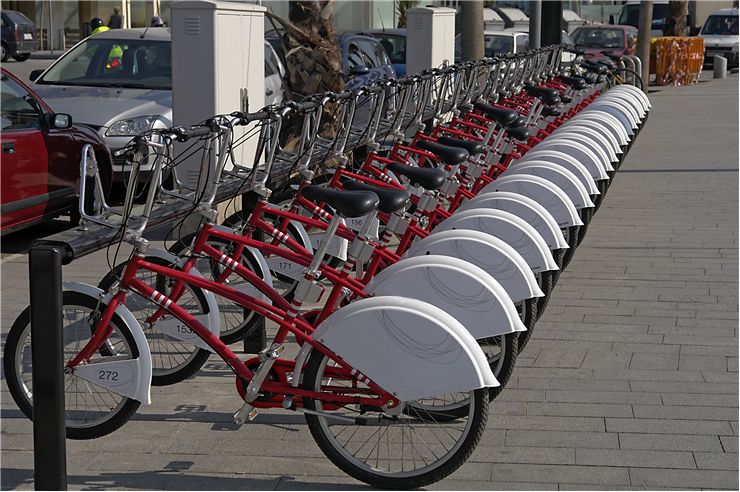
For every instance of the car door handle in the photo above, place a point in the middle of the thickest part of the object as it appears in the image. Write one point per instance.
(8, 148)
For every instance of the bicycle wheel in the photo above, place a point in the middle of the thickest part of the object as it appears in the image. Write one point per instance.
(90, 411)
(391, 452)
(237, 322)
(529, 317)
(173, 360)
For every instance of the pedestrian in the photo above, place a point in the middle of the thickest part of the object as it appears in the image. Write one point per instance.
(116, 20)
(157, 22)
(97, 25)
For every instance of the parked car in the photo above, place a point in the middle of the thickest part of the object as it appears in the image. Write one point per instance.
(616, 40)
(40, 158)
(120, 83)
(629, 15)
(18, 36)
(720, 33)
(394, 42)
(364, 59)
(274, 76)
(506, 41)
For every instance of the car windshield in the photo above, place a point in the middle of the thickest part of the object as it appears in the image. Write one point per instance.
(599, 38)
(126, 63)
(725, 25)
(395, 46)
(496, 45)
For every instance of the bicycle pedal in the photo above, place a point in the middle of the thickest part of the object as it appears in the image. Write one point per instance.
(273, 352)
(246, 413)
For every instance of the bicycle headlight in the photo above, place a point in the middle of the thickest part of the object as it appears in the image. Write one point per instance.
(131, 126)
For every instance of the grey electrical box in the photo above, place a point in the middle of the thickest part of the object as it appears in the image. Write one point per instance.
(217, 67)
(430, 38)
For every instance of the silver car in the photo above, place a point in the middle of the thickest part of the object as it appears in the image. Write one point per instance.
(120, 83)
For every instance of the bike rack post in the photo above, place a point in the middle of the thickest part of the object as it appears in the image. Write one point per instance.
(49, 446)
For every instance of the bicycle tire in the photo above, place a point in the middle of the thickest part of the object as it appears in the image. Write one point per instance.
(461, 447)
(173, 361)
(529, 317)
(17, 362)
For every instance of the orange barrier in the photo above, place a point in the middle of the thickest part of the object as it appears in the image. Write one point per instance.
(676, 60)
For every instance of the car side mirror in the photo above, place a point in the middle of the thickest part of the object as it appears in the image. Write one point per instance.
(359, 70)
(611, 19)
(35, 74)
(61, 121)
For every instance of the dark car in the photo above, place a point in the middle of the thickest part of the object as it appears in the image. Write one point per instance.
(18, 36)
(40, 173)
(394, 42)
(616, 40)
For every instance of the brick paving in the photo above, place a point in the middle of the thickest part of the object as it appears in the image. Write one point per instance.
(629, 382)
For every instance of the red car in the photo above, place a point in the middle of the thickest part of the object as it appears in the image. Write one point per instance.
(615, 40)
(40, 171)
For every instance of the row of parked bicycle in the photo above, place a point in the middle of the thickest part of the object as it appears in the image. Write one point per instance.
(405, 284)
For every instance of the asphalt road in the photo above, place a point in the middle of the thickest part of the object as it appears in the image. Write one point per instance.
(22, 70)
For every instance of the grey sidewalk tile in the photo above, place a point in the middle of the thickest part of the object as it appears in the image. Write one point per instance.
(716, 461)
(662, 362)
(732, 364)
(654, 477)
(561, 439)
(720, 377)
(668, 426)
(590, 486)
(521, 394)
(704, 329)
(702, 323)
(624, 347)
(455, 483)
(562, 474)
(548, 423)
(635, 458)
(513, 454)
(669, 442)
(289, 482)
(706, 363)
(635, 375)
(631, 320)
(607, 360)
(730, 349)
(597, 339)
(729, 444)
(684, 412)
(580, 409)
(706, 400)
(555, 373)
(572, 384)
(624, 397)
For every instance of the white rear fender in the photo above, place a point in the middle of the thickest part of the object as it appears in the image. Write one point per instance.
(461, 289)
(601, 127)
(544, 191)
(629, 100)
(638, 93)
(514, 230)
(576, 150)
(627, 105)
(565, 162)
(408, 347)
(597, 127)
(494, 255)
(522, 206)
(594, 135)
(564, 179)
(595, 147)
(618, 111)
(592, 172)
(133, 377)
(608, 121)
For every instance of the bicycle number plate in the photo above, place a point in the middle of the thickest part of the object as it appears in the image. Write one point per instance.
(357, 223)
(174, 328)
(285, 267)
(337, 245)
(115, 373)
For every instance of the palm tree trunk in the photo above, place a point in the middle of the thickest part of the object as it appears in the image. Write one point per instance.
(676, 23)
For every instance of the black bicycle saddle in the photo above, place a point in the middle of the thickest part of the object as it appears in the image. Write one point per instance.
(391, 199)
(347, 203)
(473, 148)
(502, 116)
(429, 178)
(448, 155)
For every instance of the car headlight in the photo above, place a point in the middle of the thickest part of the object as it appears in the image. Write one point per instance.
(131, 127)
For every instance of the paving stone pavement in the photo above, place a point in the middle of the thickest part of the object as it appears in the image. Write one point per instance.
(629, 382)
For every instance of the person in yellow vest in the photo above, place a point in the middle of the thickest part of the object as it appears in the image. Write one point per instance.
(116, 53)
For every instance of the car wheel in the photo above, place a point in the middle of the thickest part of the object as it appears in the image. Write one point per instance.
(21, 57)
(5, 53)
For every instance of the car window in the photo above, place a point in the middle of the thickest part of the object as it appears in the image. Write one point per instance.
(354, 56)
(18, 109)
(17, 17)
(270, 66)
(599, 38)
(566, 39)
(497, 45)
(114, 63)
(369, 54)
(522, 43)
(724, 25)
(395, 47)
(380, 53)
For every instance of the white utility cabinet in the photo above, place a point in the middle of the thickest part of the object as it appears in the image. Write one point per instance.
(217, 67)
(430, 38)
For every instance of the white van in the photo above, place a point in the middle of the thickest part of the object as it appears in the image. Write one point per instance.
(720, 33)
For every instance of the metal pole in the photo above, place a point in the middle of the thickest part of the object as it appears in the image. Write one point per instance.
(643, 40)
(471, 16)
(50, 38)
(535, 23)
(552, 16)
(47, 357)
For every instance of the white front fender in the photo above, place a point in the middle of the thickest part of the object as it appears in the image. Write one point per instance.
(513, 229)
(564, 161)
(564, 179)
(635, 91)
(576, 150)
(494, 255)
(618, 111)
(461, 289)
(628, 100)
(543, 191)
(138, 371)
(408, 347)
(522, 206)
